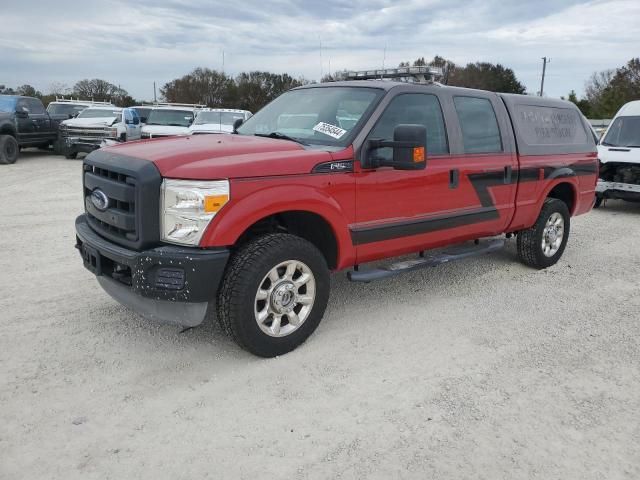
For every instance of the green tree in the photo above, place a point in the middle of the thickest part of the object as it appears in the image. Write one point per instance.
(202, 86)
(28, 91)
(486, 76)
(608, 90)
(256, 89)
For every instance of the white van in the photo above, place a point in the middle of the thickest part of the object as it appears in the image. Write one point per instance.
(619, 155)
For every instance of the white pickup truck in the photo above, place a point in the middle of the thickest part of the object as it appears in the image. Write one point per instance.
(169, 119)
(619, 155)
(218, 120)
(97, 127)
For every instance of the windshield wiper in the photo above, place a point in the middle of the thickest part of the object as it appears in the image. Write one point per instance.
(280, 136)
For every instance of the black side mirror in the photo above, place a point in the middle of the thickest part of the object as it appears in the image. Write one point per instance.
(22, 112)
(409, 149)
(237, 124)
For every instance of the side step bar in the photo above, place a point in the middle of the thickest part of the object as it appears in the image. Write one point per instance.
(449, 254)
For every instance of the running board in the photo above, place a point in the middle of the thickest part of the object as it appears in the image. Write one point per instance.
(444, 256)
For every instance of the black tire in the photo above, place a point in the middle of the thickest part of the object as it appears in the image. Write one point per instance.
(530, 250)
(598, 201)
(71, 155)
(244, 276)
(9, 150)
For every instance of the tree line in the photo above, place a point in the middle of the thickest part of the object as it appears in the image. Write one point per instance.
(605, 92)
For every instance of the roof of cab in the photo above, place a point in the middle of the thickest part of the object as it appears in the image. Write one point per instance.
(629, 109)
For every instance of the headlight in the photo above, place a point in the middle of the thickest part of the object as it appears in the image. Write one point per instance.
(188, 206)
(112, 132)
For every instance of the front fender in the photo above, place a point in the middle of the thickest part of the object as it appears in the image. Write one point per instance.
(241, 213)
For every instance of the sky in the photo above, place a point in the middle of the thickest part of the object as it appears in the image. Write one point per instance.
(134, 43)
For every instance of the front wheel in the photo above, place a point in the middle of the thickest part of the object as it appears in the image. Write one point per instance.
(543, 244)
(274, 294)
(9, 149)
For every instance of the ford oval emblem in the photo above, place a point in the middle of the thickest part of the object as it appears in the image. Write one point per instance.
(99, 200)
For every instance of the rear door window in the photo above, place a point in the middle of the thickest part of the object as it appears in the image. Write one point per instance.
(479, 125)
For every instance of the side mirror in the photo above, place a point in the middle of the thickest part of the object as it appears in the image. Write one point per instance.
(22, 112)
(409, 149)
(237, 124)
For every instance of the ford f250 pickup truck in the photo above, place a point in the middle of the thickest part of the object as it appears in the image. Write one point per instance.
(326, 178)
(25, 123)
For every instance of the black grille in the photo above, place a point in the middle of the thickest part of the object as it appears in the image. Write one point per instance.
(132, 187)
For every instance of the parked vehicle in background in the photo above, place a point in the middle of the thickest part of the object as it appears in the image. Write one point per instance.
(619, 155)
(24, 122)
(143, 112)
(218, 120)
(250, 225)
(72, 106)
(96, 127)
(168, 119)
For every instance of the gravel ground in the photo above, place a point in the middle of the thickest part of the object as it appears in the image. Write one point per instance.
(480, 369)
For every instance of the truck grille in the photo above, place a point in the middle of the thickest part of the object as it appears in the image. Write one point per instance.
(131, 187)
(86, 132)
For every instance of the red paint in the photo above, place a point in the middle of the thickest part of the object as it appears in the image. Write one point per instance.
(270, 176)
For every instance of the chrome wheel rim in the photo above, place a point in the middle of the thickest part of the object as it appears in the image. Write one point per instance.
(285, 298)
(552, 235)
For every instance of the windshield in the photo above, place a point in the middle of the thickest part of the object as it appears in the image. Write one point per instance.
(218, 118)
(173, 118)
(64, 109)
(98, 113)
(143, 113)
(325, 116)
(624, 132)
(7, 104)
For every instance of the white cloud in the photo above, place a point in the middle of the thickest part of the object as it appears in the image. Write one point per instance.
(135, 43)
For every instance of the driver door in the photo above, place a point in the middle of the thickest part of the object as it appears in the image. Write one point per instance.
(132, 124)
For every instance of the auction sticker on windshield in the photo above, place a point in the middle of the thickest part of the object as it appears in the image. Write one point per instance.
(331, 130)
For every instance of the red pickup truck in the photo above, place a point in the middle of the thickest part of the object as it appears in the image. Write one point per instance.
(325, 178)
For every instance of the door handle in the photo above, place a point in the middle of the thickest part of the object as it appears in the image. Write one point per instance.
(454, 178)
(507, 175)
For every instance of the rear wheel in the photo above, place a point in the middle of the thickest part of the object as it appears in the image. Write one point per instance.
(274, 294)
(9, 149)
(598, 201)
(543, 244)
(71, 155)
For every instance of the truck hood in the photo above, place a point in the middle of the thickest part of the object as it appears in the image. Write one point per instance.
(165, 130)
(200, 157)
(83, 122)
(608, 154)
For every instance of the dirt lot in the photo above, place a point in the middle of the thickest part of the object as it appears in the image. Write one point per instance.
(480, 369)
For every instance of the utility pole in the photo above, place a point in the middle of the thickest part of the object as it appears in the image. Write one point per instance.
(320, 38)
(545, 60)
(222, 61)
(155, 99)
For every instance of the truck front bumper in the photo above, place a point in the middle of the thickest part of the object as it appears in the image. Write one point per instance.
(87, 145)
(622, 191)
(169, 284)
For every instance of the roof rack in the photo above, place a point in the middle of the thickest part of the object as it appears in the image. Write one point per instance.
(77, 100)
(422, 74)
(170, 104)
